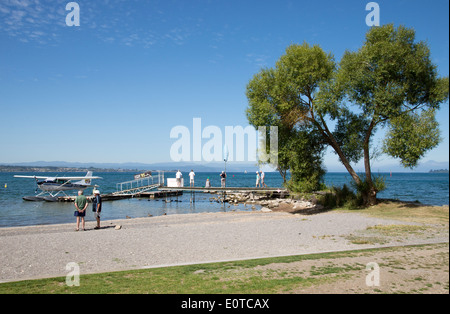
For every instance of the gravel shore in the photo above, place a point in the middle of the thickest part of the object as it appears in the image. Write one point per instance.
(44, 251)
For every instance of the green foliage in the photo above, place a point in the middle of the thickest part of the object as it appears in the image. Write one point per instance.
(280, 97)
(389, 78)
(344, 195)
(339, 197)
(391, 74)
(362, 188)
(305, 161)
(301, 183)
(351, 197)
(422, 135)
(305, 67)
(349, 134)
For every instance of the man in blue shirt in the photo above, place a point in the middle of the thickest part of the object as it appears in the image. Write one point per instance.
(97, 207)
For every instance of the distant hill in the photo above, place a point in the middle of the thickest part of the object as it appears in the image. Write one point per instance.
(8, 168)
(439, 171)
(63, 166)
(391, 166)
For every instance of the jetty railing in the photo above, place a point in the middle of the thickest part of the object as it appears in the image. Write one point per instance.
(140, 185)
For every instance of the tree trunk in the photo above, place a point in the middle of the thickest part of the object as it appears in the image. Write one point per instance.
(333, 143)
(370, 197)
(344, 159)
(283, 174)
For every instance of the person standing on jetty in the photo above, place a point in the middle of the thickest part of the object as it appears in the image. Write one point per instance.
(97, 207)
(223, 177)
(80, 204)
(257, 179)
(178, 175)
(263, 175)
(191, 178)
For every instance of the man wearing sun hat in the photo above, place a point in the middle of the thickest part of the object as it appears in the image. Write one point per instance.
(97, 207)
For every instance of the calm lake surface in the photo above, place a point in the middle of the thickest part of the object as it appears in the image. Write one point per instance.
(427, 188)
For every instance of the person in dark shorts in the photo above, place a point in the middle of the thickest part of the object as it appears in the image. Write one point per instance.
(223, 178)
(97, 207)
(80, 204)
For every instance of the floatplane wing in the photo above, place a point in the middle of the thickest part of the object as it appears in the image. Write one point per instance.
(59, 178)
(55, 185)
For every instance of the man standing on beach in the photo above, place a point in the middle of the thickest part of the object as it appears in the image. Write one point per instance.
(191, 178)
(97, 207)
(80, 204)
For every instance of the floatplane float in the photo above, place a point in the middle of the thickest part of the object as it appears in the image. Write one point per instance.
(52, 187)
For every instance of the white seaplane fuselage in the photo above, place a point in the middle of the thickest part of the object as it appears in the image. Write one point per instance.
(60, 185)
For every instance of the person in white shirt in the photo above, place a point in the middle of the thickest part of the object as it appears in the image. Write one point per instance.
(263, 184)
(257, 179)
(191, 178)
(179, 175)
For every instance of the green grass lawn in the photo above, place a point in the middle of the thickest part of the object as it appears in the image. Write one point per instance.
(215, 278)
(259, 276)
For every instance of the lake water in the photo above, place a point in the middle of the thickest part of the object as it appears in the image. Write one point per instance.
(427, 188)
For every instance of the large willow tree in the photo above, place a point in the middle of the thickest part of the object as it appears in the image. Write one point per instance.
(389, 83)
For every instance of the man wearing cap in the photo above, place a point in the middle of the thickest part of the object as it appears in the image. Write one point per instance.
(97, 207)
(258, 177)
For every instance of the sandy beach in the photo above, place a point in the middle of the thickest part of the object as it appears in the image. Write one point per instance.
(44, 251)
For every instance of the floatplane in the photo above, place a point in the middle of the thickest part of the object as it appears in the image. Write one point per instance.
(51, 187)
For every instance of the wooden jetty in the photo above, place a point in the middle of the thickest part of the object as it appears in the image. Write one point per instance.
(225, 189)
(114, 196)
(153, 187)
(160, 194)
(270, 192)
(165, 192)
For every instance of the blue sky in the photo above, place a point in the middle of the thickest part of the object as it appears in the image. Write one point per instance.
(112, 89)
